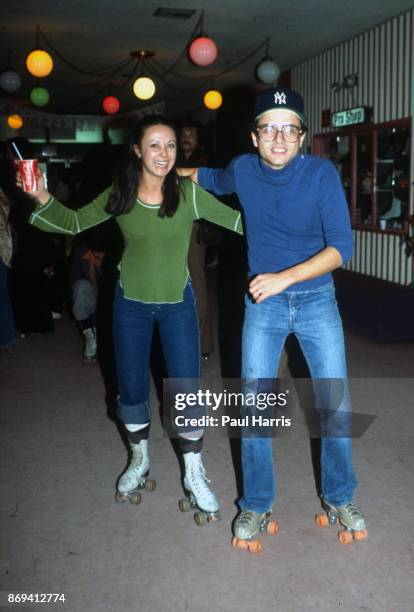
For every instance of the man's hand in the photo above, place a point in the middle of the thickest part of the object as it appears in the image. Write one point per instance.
(190, 173)
(41, 194)
(265, 285)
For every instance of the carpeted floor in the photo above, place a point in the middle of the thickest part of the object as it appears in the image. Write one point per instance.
(63, 532)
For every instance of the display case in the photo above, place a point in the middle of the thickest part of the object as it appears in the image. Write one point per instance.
(374, 165)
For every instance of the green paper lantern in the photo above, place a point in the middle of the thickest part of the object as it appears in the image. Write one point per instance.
(39, 96)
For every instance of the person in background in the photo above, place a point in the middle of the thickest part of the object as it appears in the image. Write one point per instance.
(155, 211)
(298, 231)
(192, 154)
(84, 275)
(7, 327)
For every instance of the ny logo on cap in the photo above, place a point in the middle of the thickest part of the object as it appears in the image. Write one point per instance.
(280, 98)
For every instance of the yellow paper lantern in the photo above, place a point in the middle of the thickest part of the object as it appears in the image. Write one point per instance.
(144, 88)
(213, 99)
(39, 63)
(15, 122)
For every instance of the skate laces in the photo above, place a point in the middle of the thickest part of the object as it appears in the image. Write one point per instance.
(199, 467)
(137, 458)
(352, 509)
(246, 517)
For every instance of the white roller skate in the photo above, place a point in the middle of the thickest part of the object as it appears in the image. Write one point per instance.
(247, 525)
(135, 476)
(349, 516)
(198, 494)
(90, 345)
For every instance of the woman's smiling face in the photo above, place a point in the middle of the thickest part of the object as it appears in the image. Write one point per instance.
(157, 150)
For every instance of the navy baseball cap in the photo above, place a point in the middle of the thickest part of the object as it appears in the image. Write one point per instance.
(276, 98)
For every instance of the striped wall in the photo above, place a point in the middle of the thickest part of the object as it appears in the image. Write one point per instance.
(383, 60)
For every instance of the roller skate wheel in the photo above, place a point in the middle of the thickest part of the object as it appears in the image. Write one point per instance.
(272, 528)
(321, 520)
(135, 498)
(242, 544)
(184, 504)
(255, 547)
(361, 535)
(150, 485)
(121, 497)
(345, 536)
(200, 518)
(214, 517)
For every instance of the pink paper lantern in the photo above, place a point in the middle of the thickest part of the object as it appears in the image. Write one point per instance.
(111, 105)
(203, 51)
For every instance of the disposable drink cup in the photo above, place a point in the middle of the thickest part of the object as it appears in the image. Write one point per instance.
(28, 171)
(383, 224)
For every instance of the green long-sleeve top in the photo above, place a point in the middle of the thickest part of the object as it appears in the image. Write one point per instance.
(153, 268)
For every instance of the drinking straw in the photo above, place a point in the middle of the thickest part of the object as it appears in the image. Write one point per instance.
(17, 150)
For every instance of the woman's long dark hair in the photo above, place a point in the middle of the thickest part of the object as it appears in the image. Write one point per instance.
(126, 182)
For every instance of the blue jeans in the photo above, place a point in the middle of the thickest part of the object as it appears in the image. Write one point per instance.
(314, 318)
(133, 324)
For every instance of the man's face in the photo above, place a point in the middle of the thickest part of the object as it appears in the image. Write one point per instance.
(278, 152)
(188, 140)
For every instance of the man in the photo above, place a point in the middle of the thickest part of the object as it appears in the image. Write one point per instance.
(298, 230)
(192, 154)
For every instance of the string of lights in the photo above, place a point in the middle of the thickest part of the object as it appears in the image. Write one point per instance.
(200, 49)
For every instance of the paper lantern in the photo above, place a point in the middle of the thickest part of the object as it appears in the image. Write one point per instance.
(268, 71)
(10, 81)
(213, 99)
(15, 122)
(39, 96)
(144, 88)
(203, 51)
(39, 63)
(111, 105)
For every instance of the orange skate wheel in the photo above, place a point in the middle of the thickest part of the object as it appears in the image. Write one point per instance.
(345, 537)
(361, 535)
(272, 527)
(255, 547)
(321, 520)
(236, 543)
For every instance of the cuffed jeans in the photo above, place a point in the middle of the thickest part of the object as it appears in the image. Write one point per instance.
(314, 318)
(133, 328)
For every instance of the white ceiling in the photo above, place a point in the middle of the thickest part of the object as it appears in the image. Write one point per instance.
(93, 34)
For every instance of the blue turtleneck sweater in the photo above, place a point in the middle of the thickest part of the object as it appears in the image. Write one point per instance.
(289, 214)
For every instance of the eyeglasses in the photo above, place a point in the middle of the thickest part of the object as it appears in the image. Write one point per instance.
(267, 132)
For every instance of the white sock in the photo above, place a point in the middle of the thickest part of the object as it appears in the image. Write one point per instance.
(132, 428)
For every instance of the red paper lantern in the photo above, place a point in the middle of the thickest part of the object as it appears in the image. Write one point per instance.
(203, 51)
(111, 105)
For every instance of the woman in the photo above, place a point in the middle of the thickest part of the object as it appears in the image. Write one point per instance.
(155, 211)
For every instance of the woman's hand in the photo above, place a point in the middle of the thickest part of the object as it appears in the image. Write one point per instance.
(41, 195)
